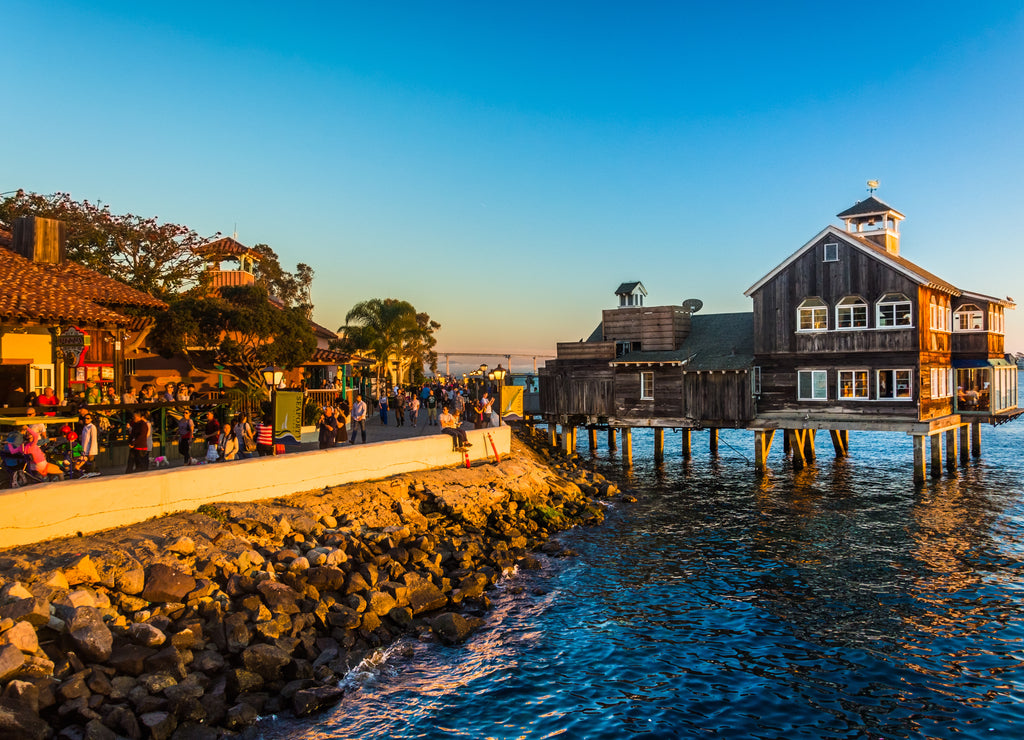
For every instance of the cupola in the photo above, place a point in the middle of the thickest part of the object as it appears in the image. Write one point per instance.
(876, 221)
(631, 294)
(223, 250)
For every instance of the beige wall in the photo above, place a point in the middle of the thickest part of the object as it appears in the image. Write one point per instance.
(33, 344)
(47, 511)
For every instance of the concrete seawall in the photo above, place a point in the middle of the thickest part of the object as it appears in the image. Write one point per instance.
(46, 511)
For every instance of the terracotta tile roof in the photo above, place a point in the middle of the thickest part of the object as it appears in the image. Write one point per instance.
(327, 357)
(6, 239)
(30, 291)
(102, 289)
(226, 247)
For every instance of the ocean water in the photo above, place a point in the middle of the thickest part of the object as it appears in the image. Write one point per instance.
(839, 601)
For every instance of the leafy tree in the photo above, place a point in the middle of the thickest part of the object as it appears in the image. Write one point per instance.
(291, 287)
(391, 331)
(240, 331)
(153, 257)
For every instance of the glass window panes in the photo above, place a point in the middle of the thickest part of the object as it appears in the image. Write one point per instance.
(812, 385)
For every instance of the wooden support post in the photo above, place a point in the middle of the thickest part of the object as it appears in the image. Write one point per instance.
(567, 440)
(935, 444)
(965, 444)
(786, 444)
(553, 435)
(763, 439)
(976, 439)
(809, 451)
(592, 438)
(919, 466)
(686, 444)
(845, 434)
(796, 444)
(659, 443)
(838, 442)
(627, 445)
(951, 454)
(713, 441)
(612, 443)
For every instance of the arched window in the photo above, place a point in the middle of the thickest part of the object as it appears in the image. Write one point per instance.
(812, 315)
(852, 313)
(968, 318)
(894, 309)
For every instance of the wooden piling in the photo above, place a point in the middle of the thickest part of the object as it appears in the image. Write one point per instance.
(951, 449)
(919, 464)
(553, 435)
(965, 444)
(612, 442)
(786, 444)
(592, 438)
(713, 441)
(976, 439)
(659, 443)
(686, 444)
(935, 445)
(627, 445)
(840, 440)
(763, 439)
(795, 438)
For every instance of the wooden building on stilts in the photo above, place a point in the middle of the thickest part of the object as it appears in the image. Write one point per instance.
(846, 335)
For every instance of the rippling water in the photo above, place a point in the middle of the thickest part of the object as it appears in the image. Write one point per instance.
(836, 602)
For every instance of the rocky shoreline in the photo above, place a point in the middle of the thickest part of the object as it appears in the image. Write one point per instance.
(192, 626)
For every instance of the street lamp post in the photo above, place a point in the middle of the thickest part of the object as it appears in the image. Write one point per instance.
(499, 377)
(272, 377)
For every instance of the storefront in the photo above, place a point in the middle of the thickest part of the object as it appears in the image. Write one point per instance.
(985, 386)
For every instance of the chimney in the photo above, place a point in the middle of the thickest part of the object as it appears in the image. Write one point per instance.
(42, 240)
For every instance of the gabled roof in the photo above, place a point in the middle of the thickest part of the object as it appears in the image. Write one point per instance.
(627, 288)
(717, 341)
(902, 265)
(868, 207)
(1004, 302)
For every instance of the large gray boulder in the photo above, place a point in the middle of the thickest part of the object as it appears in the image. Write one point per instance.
(89, 635)
(166, 584)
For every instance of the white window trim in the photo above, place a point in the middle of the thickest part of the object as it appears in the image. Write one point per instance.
(973, 312)
(813, 374)
(878, 315)
(646, 390)
(943, 372)
(850, 307)
(867, 384)
(910, 383)
(812, 309)
(835, 252)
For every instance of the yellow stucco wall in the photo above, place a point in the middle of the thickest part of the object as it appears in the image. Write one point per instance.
(33, 344)
(49, 510)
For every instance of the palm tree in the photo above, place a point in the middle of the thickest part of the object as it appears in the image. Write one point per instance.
(388, 328)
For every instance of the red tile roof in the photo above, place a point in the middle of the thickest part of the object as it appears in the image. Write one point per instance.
(226, 247)
(63, 293)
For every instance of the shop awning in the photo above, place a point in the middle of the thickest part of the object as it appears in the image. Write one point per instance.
(973, 364)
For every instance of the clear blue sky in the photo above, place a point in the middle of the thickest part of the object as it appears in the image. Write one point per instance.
(504, 166)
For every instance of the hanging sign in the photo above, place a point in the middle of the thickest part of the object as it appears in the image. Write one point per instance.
(73, 342)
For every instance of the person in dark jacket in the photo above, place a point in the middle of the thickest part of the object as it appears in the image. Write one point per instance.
(138, 443)
(328, 428)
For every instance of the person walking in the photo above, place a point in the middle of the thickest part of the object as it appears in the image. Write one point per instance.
(398, 404)
(227, 444)
(431, 409)
(90, 444)
(186, 431)
(138, 449)
(211, 433)
(358, 419)
(414, 409)
(382, 402)
(246, 442)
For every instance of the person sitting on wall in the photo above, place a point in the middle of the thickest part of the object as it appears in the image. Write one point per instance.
(450, 426)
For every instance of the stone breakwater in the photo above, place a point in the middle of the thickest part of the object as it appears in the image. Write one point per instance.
(192, 626)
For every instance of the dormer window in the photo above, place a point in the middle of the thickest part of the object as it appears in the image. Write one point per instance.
(631, 294)
(812, 315)
(968, 318)
(852, 313)
(894, 309)
(832, 252)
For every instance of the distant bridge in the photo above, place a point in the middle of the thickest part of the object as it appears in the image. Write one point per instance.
(507, 355)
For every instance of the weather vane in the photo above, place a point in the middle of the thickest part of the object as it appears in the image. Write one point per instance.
(872, 186)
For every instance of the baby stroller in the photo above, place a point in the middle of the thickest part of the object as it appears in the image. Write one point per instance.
(20, 467)
(62, 452)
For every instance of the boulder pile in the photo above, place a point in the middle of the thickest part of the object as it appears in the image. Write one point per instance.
(192, 626)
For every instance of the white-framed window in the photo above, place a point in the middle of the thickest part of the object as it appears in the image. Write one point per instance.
(853, 384)
(968, 318)
(995, 319)
(895, 384)
(812, 315)
(894, 309)
(831, 252)
(812, 385)
(646, 386)
(942, 382)
(755, 380)
(852, 313)
(941, 315)
(40, 377)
